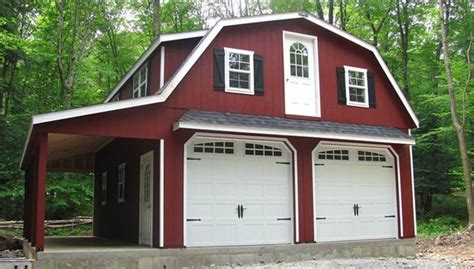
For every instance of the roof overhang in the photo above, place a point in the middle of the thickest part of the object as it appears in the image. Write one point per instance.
(262, 125)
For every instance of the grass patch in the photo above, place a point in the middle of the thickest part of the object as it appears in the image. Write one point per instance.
(439, 225)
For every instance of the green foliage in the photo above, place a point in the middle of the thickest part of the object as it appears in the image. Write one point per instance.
(440, 225)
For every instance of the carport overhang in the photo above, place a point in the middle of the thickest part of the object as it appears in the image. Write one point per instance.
(264, 125)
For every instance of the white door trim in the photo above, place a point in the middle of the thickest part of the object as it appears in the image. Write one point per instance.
(162, 193)
(317, 95)
(413, 186)
(151, 197)
(285, 142)
(389, 149)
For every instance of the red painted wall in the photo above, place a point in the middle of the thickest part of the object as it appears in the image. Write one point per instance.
(175, 54)
(119, 221)
(197, 91)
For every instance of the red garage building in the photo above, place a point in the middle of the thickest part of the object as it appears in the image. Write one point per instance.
(275, 129)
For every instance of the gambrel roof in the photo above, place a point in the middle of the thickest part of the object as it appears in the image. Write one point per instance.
(207, 37)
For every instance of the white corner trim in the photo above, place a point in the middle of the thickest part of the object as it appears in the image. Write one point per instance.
(413, 186)
(286, 143)
(149, 51)
(252, 130)
(389, 149)
(162, 193)
(162, 66)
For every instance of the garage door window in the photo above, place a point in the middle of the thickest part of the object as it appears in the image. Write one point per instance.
(261, 150)
(215, 147)
(368, 156)
(334, 155)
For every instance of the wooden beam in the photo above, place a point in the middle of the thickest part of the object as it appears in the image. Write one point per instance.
(41, 191)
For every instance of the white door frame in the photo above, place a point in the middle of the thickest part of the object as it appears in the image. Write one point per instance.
(286, 143)
(286, 59)
(388, 149)
(142, 157)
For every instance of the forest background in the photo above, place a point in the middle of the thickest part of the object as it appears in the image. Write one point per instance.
(61, 54)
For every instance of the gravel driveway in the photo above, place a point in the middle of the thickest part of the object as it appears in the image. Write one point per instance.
(405, 263)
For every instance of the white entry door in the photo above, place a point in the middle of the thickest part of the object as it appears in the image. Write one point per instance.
(146, 199)
(301, 76)
(355, 194)
(238, 193)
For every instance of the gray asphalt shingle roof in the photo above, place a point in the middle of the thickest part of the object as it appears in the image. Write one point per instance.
(275, 123)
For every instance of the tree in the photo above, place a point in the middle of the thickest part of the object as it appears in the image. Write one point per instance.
(459, 125)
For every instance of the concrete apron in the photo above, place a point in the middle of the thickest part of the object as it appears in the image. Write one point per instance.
(138, 258)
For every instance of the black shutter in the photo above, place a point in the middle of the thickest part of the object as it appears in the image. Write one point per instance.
(341, 85)
(371, 87)
(219, 78)
(258, 74)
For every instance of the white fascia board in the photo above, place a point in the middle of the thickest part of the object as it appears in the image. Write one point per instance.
(149, 51)
(282, 132)
(206, 41)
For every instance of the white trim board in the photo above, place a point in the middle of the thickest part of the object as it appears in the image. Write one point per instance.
(162, 193)
(296, 133)
(286, 143)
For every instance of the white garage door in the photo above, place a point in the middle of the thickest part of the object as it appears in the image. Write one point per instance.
(238, 193)
(355, 194)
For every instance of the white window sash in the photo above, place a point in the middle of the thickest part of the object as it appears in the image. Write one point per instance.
(228, 69)
(137, 87)
(364, 104)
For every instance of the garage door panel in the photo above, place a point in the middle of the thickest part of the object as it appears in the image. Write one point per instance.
(340, 186)
(218, 183)
(224, 190)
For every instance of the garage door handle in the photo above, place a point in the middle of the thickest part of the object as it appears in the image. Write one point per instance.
(283, 218)
(320, 218)
(193, 219)
(390, 216)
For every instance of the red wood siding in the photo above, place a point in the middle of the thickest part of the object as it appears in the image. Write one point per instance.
(197, 91)
(119, 221)
(175, 54)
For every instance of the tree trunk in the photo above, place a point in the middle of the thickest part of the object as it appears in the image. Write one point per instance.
(156, 18)
(331, 11)
(403, 28)
(342, 14)
(319, 10)
(454, 115)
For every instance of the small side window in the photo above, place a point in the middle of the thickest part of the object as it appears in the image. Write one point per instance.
(356, 86)
(121, 183)
(140, 80)
(104, 188)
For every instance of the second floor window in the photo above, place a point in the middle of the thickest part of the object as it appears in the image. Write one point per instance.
(239, 71)
(140, 79)
(356, 86)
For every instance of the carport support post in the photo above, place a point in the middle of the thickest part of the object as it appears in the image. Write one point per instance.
(40, 191)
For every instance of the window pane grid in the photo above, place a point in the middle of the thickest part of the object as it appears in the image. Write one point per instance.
(239, 70)
(140, 83)
(338, 155)
(299, 60)
(371, 156)
(215, 147)
(262, 150)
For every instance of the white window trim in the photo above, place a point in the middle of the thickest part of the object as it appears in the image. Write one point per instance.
(121, 199)
(103, 188)
(366, 88)
(136, 88)
(227, 69)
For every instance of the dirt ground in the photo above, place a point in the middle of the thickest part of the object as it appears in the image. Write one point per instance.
(456, 247)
